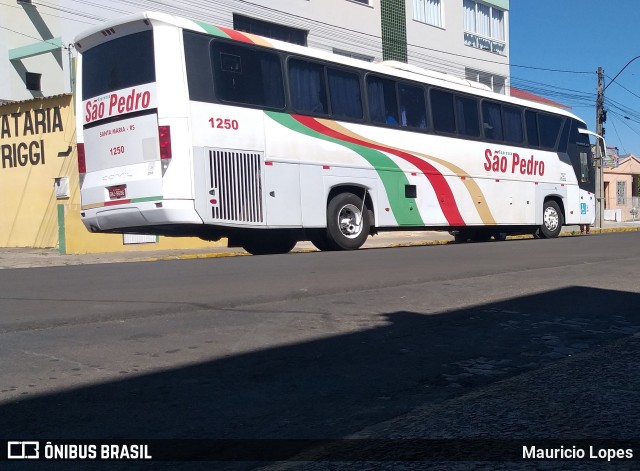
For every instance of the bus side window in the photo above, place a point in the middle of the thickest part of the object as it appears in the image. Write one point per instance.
(442, 111)
(492, 120)
(467, 116)
(512, 124)
(247, 75)
(344, 94)
(413, 112)
(564, 137)
(531, 121)
(549, 127)
(307, 86)
(383, 105)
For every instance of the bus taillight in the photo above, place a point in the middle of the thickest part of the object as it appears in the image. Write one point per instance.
(165, 142)
(164, 133)
(82, 162)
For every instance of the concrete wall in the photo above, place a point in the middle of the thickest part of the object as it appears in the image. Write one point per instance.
(37, 38)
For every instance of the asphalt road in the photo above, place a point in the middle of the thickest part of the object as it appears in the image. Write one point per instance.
(325, 345)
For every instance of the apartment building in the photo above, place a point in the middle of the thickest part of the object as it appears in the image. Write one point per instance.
(464, 38)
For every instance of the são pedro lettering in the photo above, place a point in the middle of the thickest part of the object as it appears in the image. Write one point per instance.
(117, 104)
(503, 162)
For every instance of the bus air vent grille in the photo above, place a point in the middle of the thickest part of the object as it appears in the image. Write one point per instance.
(236, 182)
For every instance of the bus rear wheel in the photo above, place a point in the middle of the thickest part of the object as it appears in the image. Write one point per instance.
(552, 220)
(347, 222)
(320, 240)
(269, 244)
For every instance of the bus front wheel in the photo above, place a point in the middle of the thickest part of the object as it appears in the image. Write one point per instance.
(347, 222)
(552, 220)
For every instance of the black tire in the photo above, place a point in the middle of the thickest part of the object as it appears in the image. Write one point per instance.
(347, 224)
(269, 244)
(552, 220)
(481, 235)
(461, 237)
(500, 236)
(321, 241)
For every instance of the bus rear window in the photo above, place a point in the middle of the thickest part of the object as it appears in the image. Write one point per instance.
(121, 63)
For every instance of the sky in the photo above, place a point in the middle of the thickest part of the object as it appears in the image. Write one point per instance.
(577, 37)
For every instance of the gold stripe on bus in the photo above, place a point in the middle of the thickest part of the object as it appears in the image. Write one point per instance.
(258, 40)
(479, 201)
(92, 206)
(474, 190)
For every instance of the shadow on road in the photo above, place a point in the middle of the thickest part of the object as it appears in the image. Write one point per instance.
(333, 387)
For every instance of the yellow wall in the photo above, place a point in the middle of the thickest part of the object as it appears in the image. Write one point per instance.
(30, 213)
(32, 134)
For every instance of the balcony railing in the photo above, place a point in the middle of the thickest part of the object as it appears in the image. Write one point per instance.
(486, 44)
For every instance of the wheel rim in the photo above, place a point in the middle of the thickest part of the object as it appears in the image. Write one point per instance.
(350, 221)
(551, 219)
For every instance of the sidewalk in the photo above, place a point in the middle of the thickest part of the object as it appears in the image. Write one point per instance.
(30, 257)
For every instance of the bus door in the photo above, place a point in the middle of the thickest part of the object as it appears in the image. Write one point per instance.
(582, 159)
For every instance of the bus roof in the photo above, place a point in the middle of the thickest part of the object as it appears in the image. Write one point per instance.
(393, 68)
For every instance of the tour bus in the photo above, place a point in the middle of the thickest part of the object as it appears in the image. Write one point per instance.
(188, 129)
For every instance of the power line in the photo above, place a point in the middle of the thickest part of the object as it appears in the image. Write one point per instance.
(48, 41)
(52, 15)
(331, 29)
(625, 88)
(615, 129)
(624, 121)
(326, 31)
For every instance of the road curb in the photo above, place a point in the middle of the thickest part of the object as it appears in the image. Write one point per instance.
(417, 243)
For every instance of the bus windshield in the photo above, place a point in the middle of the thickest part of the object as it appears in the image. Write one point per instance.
(121, 63)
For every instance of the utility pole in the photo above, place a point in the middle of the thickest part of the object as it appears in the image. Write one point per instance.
(601, 118)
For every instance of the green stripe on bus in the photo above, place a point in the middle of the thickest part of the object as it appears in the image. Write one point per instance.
(148, 198)
(211, 29)
(405, 210)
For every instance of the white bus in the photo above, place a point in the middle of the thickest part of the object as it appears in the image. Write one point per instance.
(187, 129)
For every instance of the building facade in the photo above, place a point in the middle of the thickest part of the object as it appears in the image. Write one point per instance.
(464, 38)
(622, 190)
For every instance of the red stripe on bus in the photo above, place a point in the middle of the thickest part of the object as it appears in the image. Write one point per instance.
(437, 180)
(236, 35)
(113, 203)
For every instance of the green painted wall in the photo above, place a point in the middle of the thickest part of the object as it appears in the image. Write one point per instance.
(393, 19)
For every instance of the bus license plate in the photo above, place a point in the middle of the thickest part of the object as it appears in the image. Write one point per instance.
(117, 192)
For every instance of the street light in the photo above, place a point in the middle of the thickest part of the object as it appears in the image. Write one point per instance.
(621, 70)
